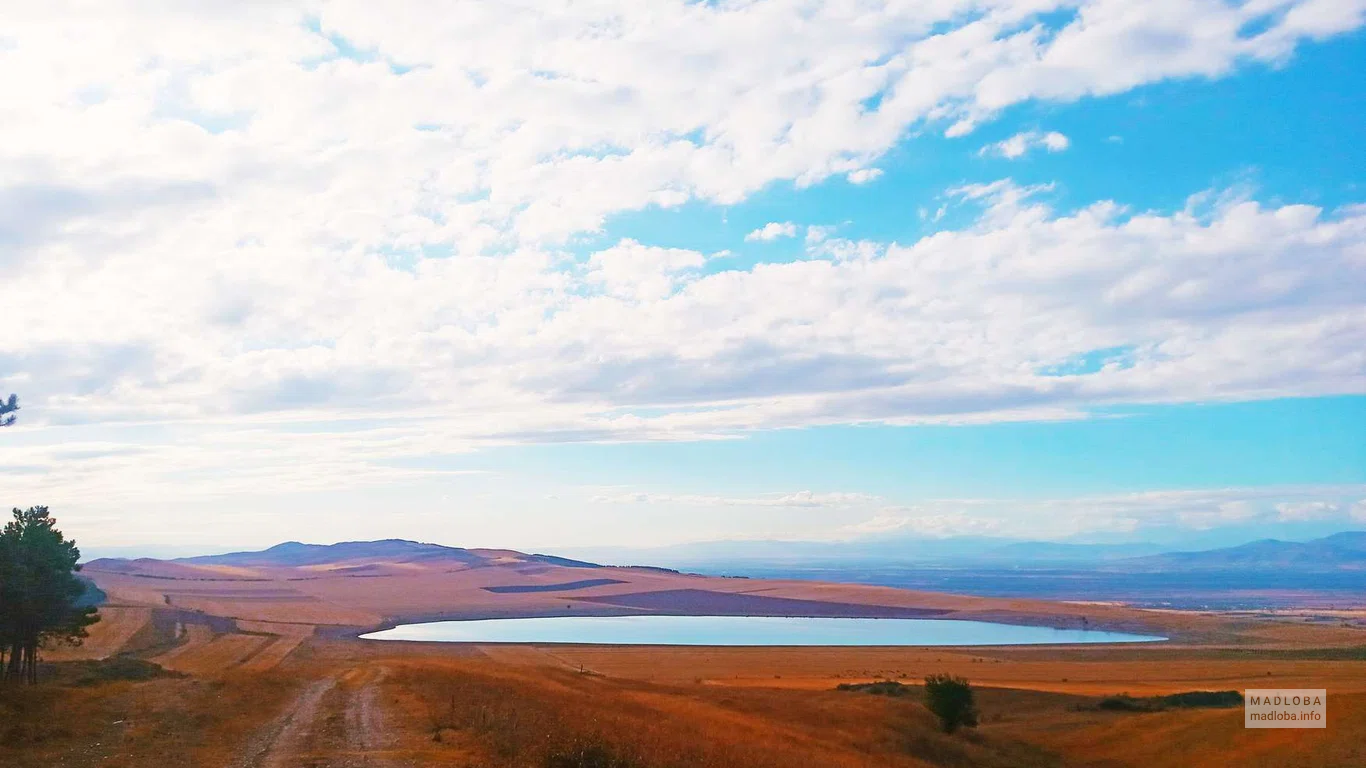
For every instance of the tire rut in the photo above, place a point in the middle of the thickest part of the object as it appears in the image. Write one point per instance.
(366, 729)
(278, 744)
(338, 722)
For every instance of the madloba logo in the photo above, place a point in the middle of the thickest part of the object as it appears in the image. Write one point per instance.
(1285, 708)
(1294, 701)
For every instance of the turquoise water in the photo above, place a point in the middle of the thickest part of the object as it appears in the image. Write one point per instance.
(744, 630)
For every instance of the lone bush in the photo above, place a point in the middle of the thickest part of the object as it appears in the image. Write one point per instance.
(1188, 700)
(950, 699)
(880, 688)
(1123, 703)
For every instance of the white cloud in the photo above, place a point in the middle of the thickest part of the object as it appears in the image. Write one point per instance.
(857, 515)
(224, 226)
(817, 234)
(917, 523)
(1131, 513)
(772, 231)
(864, 175)
(452, 354)
(633, 271)
(960, 326)
(807, 499)
(348, 126)
(1301, 511)
(1021, 143)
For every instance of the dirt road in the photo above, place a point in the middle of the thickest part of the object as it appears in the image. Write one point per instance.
(335, 722)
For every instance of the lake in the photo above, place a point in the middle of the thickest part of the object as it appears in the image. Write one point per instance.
(744, 631)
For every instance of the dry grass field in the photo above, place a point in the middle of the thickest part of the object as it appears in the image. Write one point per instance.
(260, 667)
(348, 703)
(116, 628)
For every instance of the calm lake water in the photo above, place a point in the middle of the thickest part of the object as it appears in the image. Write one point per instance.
(744, 630)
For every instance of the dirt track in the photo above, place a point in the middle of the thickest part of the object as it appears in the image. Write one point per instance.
(336, 722)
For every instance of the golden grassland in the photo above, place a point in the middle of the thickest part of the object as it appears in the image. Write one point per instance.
(344, 702)
(262, 668)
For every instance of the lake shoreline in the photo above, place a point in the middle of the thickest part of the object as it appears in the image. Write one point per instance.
(747, 631)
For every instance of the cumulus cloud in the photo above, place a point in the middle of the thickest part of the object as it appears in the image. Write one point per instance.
(991, 322)
(800, 499)
(1130, 513)
(772, 231)
(270, 215)
(864, 175)
(817, 234)
(634, 271)
(1301, 511)
(468, 128)
(860, 515)
(1021, 143)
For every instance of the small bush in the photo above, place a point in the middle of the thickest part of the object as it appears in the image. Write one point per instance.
(1213, 699)
(1124, 703)
(123, 668)
(950, 699)
(88, 672)
(880, 688)
(1187, 700)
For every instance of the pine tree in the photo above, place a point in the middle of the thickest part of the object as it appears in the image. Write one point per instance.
(39, 591)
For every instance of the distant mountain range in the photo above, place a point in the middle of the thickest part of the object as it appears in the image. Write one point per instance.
(356, 554)
(955, 550)
(1341, 551)
(293, 553)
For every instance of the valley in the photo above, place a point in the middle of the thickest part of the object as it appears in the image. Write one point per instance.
(258, 663)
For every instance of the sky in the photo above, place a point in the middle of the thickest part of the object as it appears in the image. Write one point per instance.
(541, 275)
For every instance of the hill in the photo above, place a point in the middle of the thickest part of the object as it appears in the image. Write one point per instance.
(345, 555)
(1339, 552)
(369, 584)
(293, 554)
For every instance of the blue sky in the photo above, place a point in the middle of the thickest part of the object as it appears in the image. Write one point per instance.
(1275, 442)
(1282, 132)
(752, 270)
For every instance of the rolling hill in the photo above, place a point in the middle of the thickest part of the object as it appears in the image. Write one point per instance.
(1339, 552)
(293, 554)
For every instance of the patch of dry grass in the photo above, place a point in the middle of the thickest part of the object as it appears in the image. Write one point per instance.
(169, 722)
(557, 718)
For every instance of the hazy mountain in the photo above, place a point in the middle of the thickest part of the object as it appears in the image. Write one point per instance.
(1338, 551)
(563, 562)
(1061, 552)
(293, 553)
(902, 551)
(731, 552)
(1341, 551)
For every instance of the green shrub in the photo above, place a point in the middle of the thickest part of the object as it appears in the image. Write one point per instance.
(1187, 700)
(950, 699)
(880, 688)
(1124, 703)
(1212, 699)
